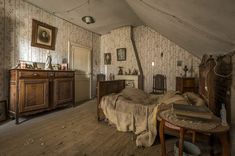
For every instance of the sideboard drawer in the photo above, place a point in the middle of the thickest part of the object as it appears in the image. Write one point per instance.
(32, 74)
(51, 74)
(64, 74)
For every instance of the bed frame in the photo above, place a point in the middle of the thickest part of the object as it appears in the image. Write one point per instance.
(212, 88)
(105, 88)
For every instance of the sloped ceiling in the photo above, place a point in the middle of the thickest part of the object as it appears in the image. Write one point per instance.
(199, 26)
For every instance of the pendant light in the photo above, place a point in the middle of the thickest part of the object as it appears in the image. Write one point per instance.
(88, 19)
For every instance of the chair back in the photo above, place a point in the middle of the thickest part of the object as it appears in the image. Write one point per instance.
(159, 84)
(100, 77)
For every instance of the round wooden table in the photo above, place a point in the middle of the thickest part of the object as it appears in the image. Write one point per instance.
(220, 131)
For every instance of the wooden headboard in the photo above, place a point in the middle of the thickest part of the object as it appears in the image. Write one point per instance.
(214, 88)
(105, 88)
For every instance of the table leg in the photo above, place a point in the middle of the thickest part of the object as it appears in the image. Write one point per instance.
(162, 138)
(211, 142)
(223, 137)
(181, 141)
(193, 137)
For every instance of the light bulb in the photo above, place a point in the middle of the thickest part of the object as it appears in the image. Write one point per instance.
(153, 63)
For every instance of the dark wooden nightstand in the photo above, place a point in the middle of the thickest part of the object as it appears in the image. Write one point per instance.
(186, 84)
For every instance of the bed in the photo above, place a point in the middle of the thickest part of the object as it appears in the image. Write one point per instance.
(128, 113)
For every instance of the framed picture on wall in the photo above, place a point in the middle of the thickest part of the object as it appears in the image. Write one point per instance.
(107, 58)
(121, 54)
(43, 35)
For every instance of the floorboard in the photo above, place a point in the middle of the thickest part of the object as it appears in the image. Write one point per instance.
(70, 132)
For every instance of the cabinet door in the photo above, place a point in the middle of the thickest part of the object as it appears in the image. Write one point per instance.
(33, 94)
(63, 91)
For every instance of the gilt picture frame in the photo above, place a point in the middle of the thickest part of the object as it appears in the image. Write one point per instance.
(121, 54)
(43, 35)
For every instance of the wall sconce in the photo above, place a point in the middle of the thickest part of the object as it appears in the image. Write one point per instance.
(153, 64)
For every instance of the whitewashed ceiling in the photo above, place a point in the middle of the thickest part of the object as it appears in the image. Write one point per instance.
(199, 26)
(108, 14)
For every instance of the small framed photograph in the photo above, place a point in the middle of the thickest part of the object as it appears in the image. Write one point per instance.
(64, 66)
(43, 35)
(121, 54)
(179, 63)
(56, 67)
(107, 58)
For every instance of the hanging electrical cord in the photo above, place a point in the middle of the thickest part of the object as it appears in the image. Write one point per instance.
(69, 10)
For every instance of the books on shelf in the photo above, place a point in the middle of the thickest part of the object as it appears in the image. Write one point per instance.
(192, 111)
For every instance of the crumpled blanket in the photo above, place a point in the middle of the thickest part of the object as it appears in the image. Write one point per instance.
(136, 111)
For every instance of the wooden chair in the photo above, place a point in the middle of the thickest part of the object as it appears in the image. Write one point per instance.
(100, 77)
(159, 84)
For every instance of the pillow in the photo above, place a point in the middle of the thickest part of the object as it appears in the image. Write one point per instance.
(136, 95)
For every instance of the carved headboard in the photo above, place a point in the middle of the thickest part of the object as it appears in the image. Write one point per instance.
(215, 82)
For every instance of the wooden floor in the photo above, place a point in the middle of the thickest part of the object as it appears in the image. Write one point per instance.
(71, 131)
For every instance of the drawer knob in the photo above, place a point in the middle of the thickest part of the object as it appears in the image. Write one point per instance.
(35, 74)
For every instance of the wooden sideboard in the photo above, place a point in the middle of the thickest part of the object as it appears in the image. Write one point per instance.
(33, 91)
(186, 84)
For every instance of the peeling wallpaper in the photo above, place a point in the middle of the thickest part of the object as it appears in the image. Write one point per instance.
(16, 28)
(150, 45)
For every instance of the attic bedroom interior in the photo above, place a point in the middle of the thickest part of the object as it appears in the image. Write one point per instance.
(117, 77)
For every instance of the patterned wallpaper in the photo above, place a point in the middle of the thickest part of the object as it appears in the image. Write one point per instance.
(118, 38)
(15, 26)
(150, 45)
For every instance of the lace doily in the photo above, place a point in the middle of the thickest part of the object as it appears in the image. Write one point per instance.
(190, 123)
